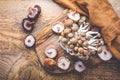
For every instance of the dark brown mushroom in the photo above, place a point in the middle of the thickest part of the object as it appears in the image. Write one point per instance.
(27, 25)
(34, 12)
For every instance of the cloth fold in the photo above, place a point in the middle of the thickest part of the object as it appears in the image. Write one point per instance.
(101, 14)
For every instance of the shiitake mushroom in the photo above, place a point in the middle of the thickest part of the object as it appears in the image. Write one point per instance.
(27, 25)
(34, 12)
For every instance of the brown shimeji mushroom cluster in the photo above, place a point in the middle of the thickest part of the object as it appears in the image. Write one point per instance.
(28, 24)
(79, 39)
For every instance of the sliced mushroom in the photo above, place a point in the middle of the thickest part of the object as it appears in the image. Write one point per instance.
(29, 41)
(51, 51)
(79, 66)
(34, 12)
(27, 25)
(58, 27)
(105, 55)
(63, 63)
(74, 15)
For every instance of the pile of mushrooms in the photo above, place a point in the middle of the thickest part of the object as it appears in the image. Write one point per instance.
(81, 40)
(28, 24)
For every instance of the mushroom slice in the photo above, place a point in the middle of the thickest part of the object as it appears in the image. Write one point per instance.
(79, 66)
(27, 25)
(34, 12)
(63, 63)
(51, 51)
(29, 41)
(73, 15)
(38, 8)
(105, 55)
(58, 27)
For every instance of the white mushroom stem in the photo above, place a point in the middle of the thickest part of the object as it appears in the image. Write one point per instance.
(92, 47)
(83, 28)
(105, 55)
(79, 66)
(92, 34)
(93, 42)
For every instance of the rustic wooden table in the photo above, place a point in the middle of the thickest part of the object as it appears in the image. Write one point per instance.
(19, 63)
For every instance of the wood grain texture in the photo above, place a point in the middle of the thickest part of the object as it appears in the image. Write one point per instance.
(19, 63)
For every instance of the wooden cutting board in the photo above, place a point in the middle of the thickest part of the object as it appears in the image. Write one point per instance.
(19, 63)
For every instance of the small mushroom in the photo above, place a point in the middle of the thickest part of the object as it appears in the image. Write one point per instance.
(63, 63)
(74, 40)
(68, 22)
(86, 52)
(105, 55)
(70, 35)
(99, 49)
(60, 38)
(76, 48)
(83, 19)
(34, 12)
(83, 34)
(79, 66)
(67, 30)
(81, 50)
(74, 27)
(73, 15)
(29, 41)
(58, 27)
(80, 42)
(71, 46)
(27, 25)
(50, 51)
(64, 40)
(50, 63)
(85, 44)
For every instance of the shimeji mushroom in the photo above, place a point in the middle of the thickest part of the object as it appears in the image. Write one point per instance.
(93, 34)
(34, 12)
(105, 55)
(58, 27)
(83, 28)
(63, 63)
(27, 25)
(50, 51)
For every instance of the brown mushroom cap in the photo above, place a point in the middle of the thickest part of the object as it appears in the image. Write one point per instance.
(67, 30)
(70, 35)
(74, 27)
(68, 22)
